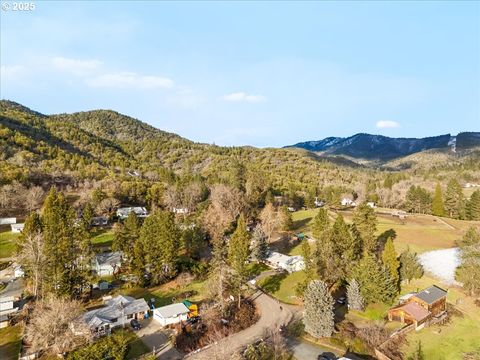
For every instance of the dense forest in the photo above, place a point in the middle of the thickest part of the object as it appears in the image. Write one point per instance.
(135, 163)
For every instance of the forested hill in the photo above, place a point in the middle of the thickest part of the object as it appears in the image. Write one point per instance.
(383, 148)
(96, 144)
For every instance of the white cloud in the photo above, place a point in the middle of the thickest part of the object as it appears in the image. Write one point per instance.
(241, 96)
(387, 124)
(124, 80)
(75, 66)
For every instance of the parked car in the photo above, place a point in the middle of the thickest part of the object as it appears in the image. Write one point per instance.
(341, 300)
(135, 324)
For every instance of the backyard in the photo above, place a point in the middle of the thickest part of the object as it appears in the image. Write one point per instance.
(10, 342)
(7, 243)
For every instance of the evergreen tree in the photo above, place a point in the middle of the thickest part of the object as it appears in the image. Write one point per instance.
(438, 208)
(125, 236)
(390, 261)
(259, 245)
(473, 206)
(87, 215)
(286, 219)
(193, 241)
(238, 254)
(374, 280)
(320, 225)
(454, 201)
(159, 238)
(365, 221)
(67, 248)
(354, 296)
(318, 316)
(418, 200)
(309, 269)
(347, 247)
(468, 272)
(33, 226)
(410, 267)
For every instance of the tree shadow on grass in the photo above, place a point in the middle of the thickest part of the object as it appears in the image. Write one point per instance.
(272, 283)
(301, 223)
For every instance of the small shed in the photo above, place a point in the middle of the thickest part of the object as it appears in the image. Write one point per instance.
(171, 314)
(193, 308)
(17, 228)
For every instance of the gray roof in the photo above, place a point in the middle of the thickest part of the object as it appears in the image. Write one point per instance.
(110, 258)
(115, 308)
(431, 294)
(172, 310)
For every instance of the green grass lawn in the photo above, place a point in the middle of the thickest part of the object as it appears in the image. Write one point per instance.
(7, 243)
(102, 238)
(168, 293)
(10, 342)
(282, 286)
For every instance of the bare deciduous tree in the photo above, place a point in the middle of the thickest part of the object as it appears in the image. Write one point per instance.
(32, 258)
(270, 221)
(55, 326)
(34, 198)
(107, 206)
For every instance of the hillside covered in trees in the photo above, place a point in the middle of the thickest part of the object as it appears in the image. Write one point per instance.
(90, 148)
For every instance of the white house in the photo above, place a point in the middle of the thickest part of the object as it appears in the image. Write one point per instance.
(117, 311)
(180, 210)
(285, 262)
(8, 221)
(171, 314)
(6, 309)
(17, 228)
(18, 272)
(140, 211)
(348, 202)
(107, 263)
(371, 204)
(318, 203)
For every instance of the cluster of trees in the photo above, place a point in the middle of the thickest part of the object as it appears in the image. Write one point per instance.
(468, 272)
(351, 254)
(453, 204)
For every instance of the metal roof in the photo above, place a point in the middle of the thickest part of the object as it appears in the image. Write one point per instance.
(172, 310)
(431, 294)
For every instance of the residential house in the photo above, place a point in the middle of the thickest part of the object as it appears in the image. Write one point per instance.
(18, 272)
(371, 204)
(285, 262)
(7, 309)
(318, 203)
(8, 221)
(348, 202)
(171, 314)
(17, 228)
(118, 311)
(180, 210)
(108, 263)
(123, 213)
(420, 307)
(100, 221)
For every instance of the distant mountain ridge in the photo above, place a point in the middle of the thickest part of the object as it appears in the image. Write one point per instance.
(383, 148)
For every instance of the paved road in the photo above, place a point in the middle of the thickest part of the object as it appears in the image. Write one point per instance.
(271, 317)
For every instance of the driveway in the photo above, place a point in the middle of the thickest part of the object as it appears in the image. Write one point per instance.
(272, 315)
(157, 339)
(307, 351)
(14, 288)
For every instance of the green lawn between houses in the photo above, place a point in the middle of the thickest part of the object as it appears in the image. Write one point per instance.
(282, 286)
(7, 243)
(102, 237)
(10, 342)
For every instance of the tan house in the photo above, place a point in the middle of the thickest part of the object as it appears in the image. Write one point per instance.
(420, 307)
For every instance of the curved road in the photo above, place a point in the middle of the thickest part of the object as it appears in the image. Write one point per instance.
(272, 315)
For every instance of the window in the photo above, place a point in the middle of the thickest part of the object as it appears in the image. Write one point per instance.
(129, 316)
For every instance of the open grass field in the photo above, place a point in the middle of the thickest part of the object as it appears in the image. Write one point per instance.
(418, 232)
(170, 292)
(10, 342)
(7, 243)
(102, 237)
(282, 286)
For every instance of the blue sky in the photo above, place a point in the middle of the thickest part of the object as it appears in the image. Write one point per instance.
(256, 73)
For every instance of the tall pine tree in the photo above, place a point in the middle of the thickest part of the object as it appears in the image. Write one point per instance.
(390, 261)
(473, 206)
(454, 200)
(365, 221)
(318, 316)
(438, 208)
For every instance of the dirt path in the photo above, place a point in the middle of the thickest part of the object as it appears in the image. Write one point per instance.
(272, 315)
(451, 227)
